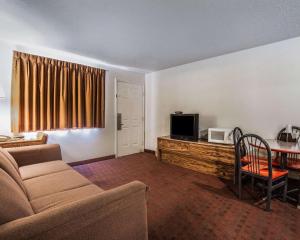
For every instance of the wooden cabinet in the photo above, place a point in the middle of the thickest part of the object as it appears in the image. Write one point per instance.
(202, 156)
(41, 138)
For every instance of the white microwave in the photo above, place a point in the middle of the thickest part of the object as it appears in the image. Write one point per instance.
(220, 135)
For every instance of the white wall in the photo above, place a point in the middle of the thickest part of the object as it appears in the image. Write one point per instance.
(76, 144)
(257, 89)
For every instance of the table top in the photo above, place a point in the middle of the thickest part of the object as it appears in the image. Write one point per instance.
(284, 147)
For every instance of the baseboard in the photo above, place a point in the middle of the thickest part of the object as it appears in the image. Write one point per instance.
(72, 164)
(149, 151)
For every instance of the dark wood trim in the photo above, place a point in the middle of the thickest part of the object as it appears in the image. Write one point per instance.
(72, 164)
(149, 151)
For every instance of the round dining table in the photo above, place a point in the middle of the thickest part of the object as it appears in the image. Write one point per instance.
(284, 148)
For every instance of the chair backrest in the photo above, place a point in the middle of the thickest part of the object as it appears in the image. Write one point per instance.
(237, 133)
(257, 154)
(283, 136)
(9, 165)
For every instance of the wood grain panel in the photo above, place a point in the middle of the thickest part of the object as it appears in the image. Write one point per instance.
(173, 145)
(201, 156)
(216, 168)
(213, 153)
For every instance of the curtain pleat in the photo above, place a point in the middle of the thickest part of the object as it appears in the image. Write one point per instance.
(80, 105)
(50, 94)
(42, 97)
(55, 97)
(74, 98)
(88, 101)
(35, 99)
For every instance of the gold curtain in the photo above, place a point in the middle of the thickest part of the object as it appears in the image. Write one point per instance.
(51, 94)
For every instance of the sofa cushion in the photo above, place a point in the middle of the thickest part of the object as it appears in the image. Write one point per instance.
(65, 197)
(41, 169)
(9, 157)
(33, 154)
(54, 183)
(13, 201)
(8, 164)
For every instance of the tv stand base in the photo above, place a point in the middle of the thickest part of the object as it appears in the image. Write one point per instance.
(201, 156)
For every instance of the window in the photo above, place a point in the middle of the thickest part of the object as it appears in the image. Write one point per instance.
(50, 94)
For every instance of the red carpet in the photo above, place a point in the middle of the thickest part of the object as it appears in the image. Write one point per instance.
(184, 204)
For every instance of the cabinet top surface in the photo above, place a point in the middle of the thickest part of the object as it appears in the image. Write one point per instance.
(200, 141)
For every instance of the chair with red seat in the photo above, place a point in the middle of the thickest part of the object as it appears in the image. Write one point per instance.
(237, 133)
(293, 160)
(257, 152)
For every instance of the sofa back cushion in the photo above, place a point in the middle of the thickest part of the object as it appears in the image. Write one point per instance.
(10, 158)
(14, 203)
(9, 165)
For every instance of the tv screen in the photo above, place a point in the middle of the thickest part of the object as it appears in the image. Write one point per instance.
(184, 126)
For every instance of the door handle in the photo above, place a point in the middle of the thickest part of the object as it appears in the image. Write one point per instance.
(119, 121)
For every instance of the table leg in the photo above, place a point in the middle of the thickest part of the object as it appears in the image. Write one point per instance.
(283, 160)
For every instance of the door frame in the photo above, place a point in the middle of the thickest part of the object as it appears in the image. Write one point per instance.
(142, 85)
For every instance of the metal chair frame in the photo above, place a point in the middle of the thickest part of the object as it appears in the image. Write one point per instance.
(292, 158)
(254, 147)
(280, 136)
(237, 133)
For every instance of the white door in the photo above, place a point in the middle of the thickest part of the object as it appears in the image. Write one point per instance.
(130, 120)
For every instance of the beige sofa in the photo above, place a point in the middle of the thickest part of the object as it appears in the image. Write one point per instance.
(41, 197)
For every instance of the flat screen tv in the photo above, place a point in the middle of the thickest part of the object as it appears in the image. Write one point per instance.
(185, 126)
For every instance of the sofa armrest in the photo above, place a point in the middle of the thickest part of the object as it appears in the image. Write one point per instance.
(35, 154)
(120, 213)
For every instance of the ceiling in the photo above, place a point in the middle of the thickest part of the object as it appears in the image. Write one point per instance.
(149, 34)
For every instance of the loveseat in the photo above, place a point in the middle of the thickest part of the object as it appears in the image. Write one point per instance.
(42, 197)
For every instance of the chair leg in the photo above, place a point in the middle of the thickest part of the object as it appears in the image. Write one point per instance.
(285, 188)
(234, 174)
(269, 195)
(240, 184)
(252, 184)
